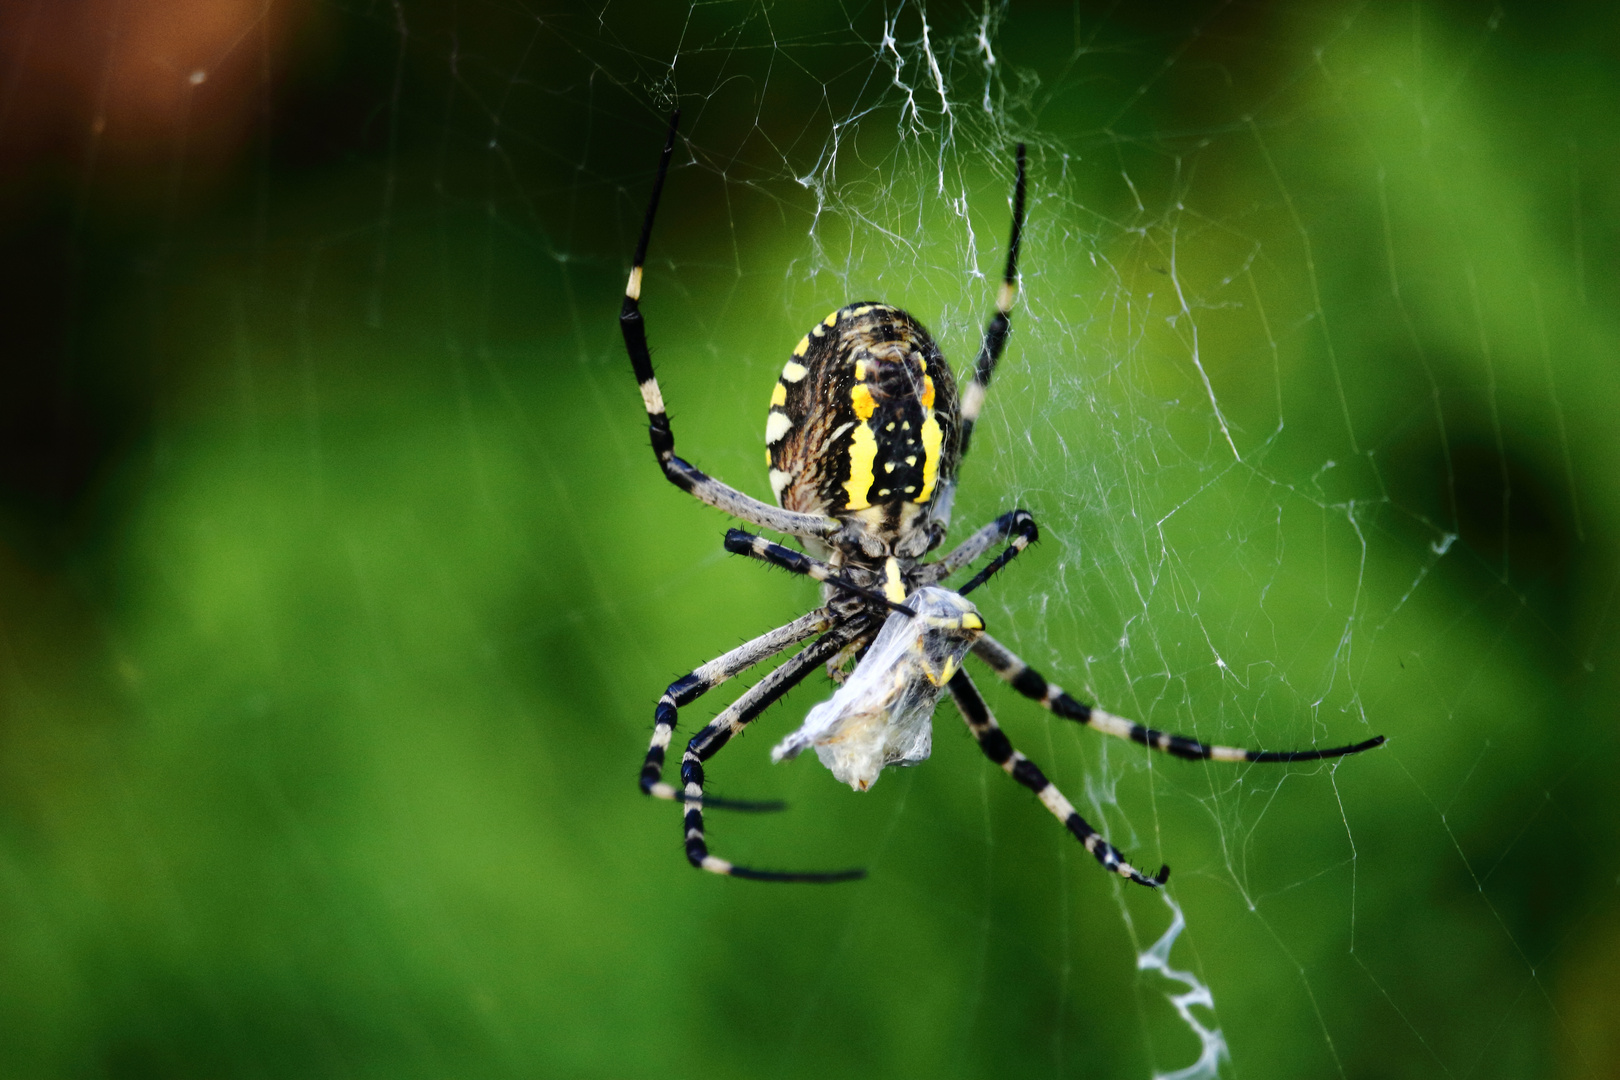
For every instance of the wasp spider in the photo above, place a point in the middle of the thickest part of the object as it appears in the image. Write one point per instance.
(864, 436)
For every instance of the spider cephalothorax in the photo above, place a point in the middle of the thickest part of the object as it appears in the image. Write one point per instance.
(864, 436)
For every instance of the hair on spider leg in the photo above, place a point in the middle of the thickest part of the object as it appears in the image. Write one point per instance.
(1024, 532)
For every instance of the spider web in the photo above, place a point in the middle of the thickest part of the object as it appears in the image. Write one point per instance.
(379, 585)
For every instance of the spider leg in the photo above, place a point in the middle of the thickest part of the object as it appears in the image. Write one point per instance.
(1033, 685)
(688, 688)
(1015, 523)
(971, 548)
(797, 562)
(719, 731)
(682, 474)
(995, 334)
(993, 741)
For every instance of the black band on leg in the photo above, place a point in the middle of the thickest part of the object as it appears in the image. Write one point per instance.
(739, 542)
(1033, 685)
(995, 334)
(996, 746)
(718, 732)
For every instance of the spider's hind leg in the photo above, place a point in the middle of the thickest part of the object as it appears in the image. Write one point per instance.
(689, 688)
(1033, 685)
(993, 741)
(706, 743)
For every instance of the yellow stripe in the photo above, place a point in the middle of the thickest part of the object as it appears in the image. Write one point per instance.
(928, 392)
(893, 588)
(932, 438)
(863, 401)
(803, 346)
(862, 453)
(779, 395)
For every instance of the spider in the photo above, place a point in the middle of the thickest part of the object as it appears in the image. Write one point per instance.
(864, 436)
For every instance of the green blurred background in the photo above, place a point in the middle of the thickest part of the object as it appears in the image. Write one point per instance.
(337, 584)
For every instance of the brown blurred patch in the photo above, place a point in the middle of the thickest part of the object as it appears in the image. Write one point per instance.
(143, 92)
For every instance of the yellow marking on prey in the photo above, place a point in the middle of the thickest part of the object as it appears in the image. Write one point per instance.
(865, 404)
(831, 320)
(862, 453)
(817, 330)
(893, 588)
(932, 438)
(633, 289)
(927, 398)
(860, 371)
(803, 346)
(779, 395)
(793, 372)
(971, 621)
(862, 310)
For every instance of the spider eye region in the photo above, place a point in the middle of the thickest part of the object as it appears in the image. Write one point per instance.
(865, 415)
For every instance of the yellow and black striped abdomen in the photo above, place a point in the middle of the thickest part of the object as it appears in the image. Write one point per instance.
(864, 415)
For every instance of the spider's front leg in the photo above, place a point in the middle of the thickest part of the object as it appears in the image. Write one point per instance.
(995, 334)
(689, 688)
(681, 473)
(993, 741)
(706, 743)
(797, 562)
(1017, 524)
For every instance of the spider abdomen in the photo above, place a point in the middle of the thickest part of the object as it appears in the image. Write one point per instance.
(864, 421)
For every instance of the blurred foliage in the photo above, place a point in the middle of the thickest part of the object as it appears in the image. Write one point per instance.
(337, 584)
